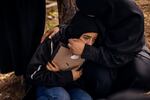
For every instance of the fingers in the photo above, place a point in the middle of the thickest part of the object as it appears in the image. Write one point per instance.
(71, 42)
(76, 46)
(76, 74)
(49, 33)
(52, 67)
(55, 65)
(69, 45)
(77, 68)
(80, 72)
(55, 30)
(46, 34)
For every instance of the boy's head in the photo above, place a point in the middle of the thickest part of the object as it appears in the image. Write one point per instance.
(89, 37)
(82, 24)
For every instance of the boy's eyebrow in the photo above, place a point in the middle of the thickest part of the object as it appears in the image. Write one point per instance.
(87, 36)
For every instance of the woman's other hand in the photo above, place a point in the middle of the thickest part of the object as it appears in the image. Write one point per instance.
(50, 33)
(52, 67)
(76, 46)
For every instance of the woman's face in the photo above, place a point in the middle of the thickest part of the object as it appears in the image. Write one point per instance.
(89, 37)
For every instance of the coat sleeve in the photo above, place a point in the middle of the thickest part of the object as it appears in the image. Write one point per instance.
(38, 74)
(124, 36)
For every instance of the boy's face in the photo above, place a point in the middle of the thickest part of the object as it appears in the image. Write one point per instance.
(89, 38)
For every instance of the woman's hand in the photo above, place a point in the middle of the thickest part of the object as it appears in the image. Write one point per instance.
(50, 33)
(76, 46)
(52, 67)
(76, 73)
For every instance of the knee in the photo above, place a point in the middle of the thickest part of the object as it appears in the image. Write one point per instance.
(142, 68)
(57, 93)
(98, 80)
(79, 94)
(102, 83)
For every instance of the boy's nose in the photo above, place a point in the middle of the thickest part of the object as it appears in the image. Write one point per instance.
(89, 42)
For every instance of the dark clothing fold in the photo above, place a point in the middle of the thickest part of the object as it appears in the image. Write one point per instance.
(120, 39)
(21, 27)
(39, 75)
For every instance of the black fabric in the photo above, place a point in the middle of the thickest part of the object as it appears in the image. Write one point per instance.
(129, 95)
(142, 63)
(37, 73)
(97, 81)
(21, 27)
(93, 7)
(123, 24)
(30, 93)
(81, 24)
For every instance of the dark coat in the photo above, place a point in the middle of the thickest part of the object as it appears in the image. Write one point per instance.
(123, 31)
(21, 27)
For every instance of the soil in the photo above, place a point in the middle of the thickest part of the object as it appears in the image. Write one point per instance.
(11, 86)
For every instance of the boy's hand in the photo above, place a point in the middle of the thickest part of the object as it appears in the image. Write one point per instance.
(52, 67)
(49, 33)
(76, 46)
(76, 74)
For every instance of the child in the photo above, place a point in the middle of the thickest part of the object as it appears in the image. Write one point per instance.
(50, 81)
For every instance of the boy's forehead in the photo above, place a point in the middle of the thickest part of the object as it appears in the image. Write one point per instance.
(89, 33)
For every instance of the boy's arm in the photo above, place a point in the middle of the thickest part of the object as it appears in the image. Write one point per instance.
(38, 74)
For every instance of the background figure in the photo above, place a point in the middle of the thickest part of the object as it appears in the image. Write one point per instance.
(21, 27)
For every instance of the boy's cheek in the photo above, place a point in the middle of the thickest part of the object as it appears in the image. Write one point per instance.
(88, 42)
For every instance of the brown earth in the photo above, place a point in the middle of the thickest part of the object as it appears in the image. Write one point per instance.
(145, 6)
(12, 88)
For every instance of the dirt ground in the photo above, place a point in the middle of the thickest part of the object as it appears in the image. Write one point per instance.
(145, 6)
(12, 88)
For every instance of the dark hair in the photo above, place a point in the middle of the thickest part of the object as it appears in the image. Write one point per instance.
(81, 24)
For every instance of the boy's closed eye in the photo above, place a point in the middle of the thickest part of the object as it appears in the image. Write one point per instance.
(86, 37)
(89, 38)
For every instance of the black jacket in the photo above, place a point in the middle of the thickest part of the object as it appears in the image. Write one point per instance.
(21, 27)
(38, 74)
